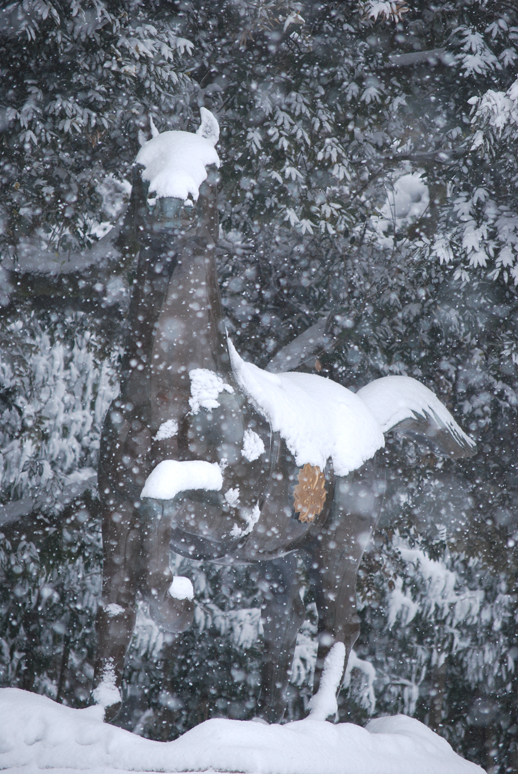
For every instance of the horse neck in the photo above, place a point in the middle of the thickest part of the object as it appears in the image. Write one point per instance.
(189, 332)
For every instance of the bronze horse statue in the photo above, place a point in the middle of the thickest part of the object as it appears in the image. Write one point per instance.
(197, 456)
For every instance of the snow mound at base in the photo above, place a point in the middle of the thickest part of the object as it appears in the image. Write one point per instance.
(36, 733)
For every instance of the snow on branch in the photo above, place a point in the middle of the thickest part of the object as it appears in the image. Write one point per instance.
(389, 10)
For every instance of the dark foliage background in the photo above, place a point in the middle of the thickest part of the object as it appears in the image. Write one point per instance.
(323, 107)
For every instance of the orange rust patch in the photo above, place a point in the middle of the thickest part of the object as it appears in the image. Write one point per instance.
(310, 493)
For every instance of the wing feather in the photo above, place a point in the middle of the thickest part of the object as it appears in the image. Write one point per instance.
(404, 404)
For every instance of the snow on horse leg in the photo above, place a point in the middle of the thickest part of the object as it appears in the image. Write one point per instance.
(323, 703)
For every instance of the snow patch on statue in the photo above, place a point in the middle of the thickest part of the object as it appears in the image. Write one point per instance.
(232, 497)
(181, 588)
(253, 446)
(113, 610)
(323, 704)
(170, 477)
(167, 430)
(107, 692)
(250, 517)
(176, 162)
(206, 385)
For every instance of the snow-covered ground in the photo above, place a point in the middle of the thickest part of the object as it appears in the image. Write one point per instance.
(36, 733)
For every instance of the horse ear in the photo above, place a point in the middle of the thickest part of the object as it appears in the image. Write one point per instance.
(209, 127)
(146, 128)
(403, 404)
(154, 130)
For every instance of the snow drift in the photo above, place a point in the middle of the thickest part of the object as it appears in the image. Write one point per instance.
(36, 733)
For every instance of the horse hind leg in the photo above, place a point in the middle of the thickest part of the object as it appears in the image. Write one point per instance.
(117, 609)
(114, 629)
(335, 558)
(283, 616)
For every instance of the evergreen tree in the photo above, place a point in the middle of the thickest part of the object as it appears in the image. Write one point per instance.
(368, 189)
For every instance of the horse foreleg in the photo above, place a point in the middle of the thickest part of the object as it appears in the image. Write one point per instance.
(170, 613)
(282, 618)
(116, 612)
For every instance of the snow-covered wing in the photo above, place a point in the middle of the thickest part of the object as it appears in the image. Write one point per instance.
(317, 418)
(402, 403)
